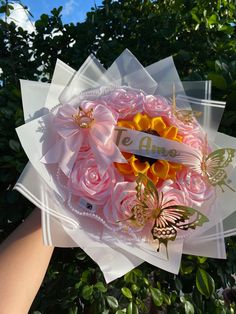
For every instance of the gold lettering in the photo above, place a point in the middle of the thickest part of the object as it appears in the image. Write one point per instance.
(154, 149)
(165, 152)
(173, 153)
(145, 144)
(160, 150)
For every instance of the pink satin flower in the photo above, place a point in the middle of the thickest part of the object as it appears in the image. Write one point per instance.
(194, 140)
(184, 128)
(86, 181)
(124, 197)
(155, 106)
(78, 127)
(125, 101)
(172, 195)
(122, 200)
(195, 187)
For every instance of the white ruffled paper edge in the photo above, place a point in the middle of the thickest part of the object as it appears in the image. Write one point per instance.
(50, 224)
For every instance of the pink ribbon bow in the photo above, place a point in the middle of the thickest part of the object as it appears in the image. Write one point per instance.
(77, 127)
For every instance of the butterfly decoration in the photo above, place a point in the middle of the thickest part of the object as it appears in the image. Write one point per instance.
(184, 115)
(165, 221)
(187, 116)
(213, 167)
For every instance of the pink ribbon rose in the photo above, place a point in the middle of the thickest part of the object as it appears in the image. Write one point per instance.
(156, 106)
(125, 101)
(119, 206)
(87, 182)
(195, 187)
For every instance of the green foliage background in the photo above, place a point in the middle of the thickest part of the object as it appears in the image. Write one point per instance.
(201, 35)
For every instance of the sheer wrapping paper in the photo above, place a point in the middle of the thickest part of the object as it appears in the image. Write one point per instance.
(64, 228)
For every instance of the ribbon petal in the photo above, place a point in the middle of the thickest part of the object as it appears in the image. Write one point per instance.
(105, 155)
(53, 155)
(102, 128)
(64, 152)
(64, 121)
(71, 149)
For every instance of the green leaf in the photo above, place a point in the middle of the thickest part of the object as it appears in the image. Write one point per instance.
(188, 307)
(15, 145)
(138, 272)
(173, 296)
(87, 291)
(178, 284)
(218, 81)
(197, 299)
(228, 29)
(132, 308)
(121, 311)
(126, 292)
(78, 285)
(130, 277)
(194, 15)
(166, 299)
(213, 19)
(134, 288)
(3, 9)
(85, 275)
(81, 256)
(112, 302)
(146, 282)
(205, 283)
(8, 11)
(100, 286)
(157, 296)
(201, 259)
(73, 310)
(186, 269)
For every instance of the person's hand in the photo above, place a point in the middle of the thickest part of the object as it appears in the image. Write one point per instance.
(23, 262)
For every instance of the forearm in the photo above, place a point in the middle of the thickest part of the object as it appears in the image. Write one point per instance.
(23, 263)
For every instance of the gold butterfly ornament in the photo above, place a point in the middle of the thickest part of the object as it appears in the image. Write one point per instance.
(165, 220)
(213, 166)
(184, 115)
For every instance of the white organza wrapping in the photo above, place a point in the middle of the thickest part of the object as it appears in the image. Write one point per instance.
(63, 228)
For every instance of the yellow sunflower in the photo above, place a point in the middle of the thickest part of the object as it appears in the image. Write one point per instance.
(154, 169)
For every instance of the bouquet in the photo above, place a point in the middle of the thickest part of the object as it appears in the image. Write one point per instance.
(127, 163)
